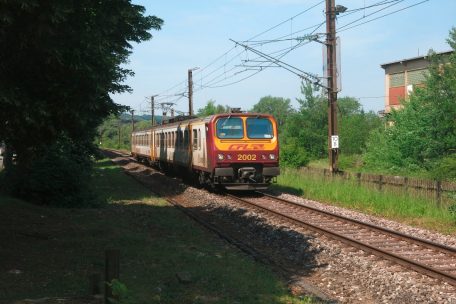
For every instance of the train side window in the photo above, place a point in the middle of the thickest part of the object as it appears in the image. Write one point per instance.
(199, 139)
(186, 139)
(173, 139)
(195, 139)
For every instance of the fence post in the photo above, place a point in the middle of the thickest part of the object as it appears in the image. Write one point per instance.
(406, 184)
(358, 178)
(94, 284)
(380, 183)
(438, 192)
(111, 272)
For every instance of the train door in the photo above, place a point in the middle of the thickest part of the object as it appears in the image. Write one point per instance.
(198, 138)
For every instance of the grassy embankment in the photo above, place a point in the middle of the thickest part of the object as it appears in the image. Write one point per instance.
(51, 251)
(345, 193)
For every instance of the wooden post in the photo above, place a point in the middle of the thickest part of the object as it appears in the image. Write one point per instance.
(112, 266)
(324, 173)
(94, 284)
(358, 178)
(380, 183)
(406, 184)
(438, 192)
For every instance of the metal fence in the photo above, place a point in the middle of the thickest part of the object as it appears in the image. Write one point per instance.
(443, 193)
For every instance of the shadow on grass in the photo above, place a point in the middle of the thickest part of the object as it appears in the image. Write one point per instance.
(157, 244)
(280, 189)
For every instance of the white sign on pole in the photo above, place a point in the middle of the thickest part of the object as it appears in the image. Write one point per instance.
(334, 141)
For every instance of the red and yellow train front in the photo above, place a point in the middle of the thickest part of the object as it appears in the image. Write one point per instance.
(245, 152)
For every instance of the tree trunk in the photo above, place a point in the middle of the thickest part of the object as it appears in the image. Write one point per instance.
(7, 158)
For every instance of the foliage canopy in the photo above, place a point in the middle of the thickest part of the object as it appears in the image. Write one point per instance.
(60, 61)
(423, 132)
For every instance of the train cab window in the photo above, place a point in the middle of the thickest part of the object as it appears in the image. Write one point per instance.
(258, 127)
(195, 139)
(230, 127)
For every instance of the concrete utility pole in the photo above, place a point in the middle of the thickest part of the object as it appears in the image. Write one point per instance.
(333, 139)
(152, 107)
(190, 90)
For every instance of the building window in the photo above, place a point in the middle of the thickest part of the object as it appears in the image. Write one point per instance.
(417, 76)
(397, 80)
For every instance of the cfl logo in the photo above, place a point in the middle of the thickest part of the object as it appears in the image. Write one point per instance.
(241, 147)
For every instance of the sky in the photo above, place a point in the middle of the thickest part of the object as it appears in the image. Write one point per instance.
(196, 34)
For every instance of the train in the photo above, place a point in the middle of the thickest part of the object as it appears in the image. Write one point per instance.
(233, 151)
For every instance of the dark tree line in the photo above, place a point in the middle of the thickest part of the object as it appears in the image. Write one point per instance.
(60, 61)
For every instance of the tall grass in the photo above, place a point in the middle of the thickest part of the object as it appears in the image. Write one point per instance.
(347, 193)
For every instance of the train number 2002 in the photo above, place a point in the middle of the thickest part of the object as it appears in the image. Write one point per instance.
(246, 157)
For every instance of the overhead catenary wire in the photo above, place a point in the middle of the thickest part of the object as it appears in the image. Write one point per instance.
(226, 70)
(382, 16)
(233, 48)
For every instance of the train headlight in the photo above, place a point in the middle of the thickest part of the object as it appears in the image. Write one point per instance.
(272, 156)
(228, 156)
(220, 156)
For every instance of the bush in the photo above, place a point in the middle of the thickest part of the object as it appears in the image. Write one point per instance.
(59, 176)
(445, 168)
(293, 156)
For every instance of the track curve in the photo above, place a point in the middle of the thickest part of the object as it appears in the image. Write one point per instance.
(426, 257)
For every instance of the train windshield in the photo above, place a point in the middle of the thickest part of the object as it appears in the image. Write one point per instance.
(259, 128)
(230, 127)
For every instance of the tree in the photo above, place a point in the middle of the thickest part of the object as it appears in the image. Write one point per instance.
(423, 133)
(279, 107)
(308, 127)
(211, 109)
(61, 60)
(354, 125)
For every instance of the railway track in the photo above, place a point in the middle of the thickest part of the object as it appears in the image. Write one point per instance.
(426, 257)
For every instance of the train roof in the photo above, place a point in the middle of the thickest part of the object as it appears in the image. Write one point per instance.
(178, 120)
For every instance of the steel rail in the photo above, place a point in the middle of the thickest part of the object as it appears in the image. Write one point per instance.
(403, 236)
(408, 263)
